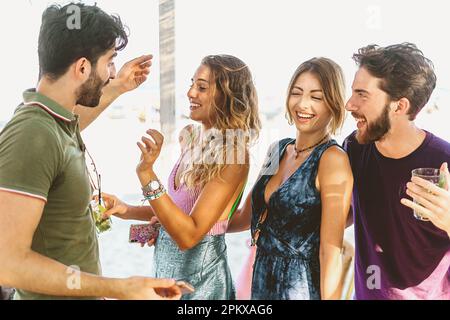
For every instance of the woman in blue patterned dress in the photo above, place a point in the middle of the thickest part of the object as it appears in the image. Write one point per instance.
(298, 207)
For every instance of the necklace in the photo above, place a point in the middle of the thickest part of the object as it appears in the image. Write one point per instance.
(297, 152)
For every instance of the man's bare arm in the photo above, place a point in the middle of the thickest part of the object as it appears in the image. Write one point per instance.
(21, 267)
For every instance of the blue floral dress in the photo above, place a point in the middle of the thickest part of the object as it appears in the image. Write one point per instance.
(287, 258)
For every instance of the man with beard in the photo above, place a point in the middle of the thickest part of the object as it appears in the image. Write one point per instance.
(48, 244)
(397, 255)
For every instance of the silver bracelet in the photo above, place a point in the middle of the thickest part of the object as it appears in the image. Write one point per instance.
(153, 190)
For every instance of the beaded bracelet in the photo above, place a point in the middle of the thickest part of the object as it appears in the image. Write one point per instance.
(153, 196)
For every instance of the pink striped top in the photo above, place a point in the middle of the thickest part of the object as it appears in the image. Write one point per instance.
(185, 199)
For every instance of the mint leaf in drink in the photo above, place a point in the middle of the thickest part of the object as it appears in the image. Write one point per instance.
(441, 180)
(101, 210)
(100, 223)
(105, 225)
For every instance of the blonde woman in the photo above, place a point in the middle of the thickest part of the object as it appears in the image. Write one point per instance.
(298, 207)
(206, 182)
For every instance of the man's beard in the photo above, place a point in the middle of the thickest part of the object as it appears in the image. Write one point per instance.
(376, 130)
(90, 92)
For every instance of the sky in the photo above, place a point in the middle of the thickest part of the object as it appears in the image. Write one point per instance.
(272, 37)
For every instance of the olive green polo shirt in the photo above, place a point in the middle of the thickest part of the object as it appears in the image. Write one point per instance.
(42, 156)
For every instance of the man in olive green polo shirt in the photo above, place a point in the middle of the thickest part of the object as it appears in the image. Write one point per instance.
(48, 244)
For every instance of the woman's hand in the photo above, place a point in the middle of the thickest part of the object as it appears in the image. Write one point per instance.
(150, 150)
(152, 241)
(113, 205)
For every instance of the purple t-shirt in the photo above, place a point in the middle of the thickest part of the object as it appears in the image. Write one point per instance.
(396, 255)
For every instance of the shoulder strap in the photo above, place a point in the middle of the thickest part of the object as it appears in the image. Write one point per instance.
(235, 204)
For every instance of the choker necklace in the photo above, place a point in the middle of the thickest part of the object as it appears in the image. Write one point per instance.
(297, 152)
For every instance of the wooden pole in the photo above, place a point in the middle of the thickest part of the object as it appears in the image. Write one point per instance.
(167, 67)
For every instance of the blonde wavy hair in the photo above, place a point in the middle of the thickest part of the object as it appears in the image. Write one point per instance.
(235, 122)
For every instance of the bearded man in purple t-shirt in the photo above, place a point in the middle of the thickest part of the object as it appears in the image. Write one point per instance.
(397, 255)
